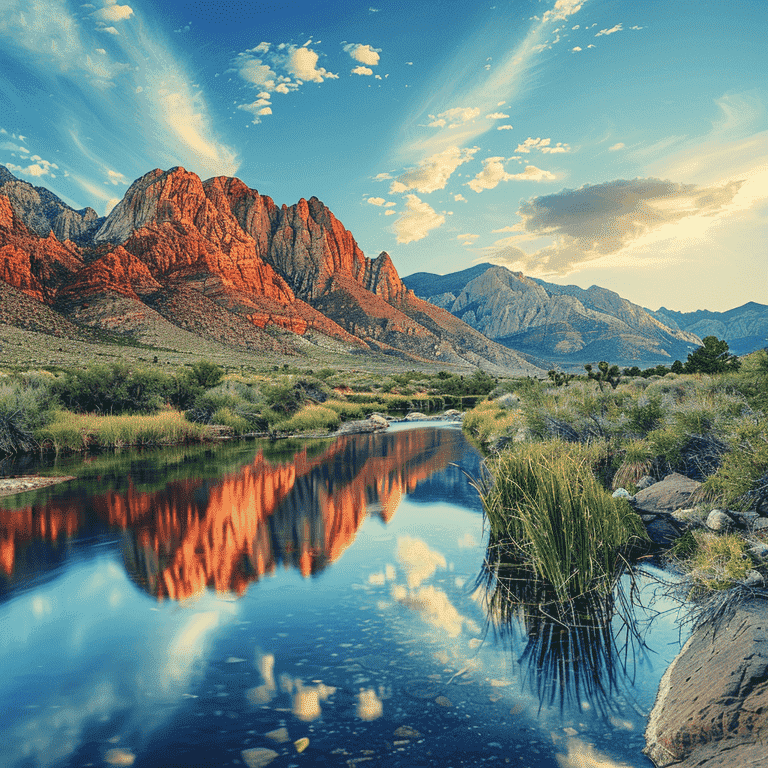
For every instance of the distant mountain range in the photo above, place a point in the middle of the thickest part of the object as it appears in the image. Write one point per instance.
(559, 325)
(745, 328)
(220, 260)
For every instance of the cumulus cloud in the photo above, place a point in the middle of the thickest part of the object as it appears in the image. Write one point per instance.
(576, 49)
(532, 173)
(497, 116)
(39, 167)
(417, 221)
(616, 28)
(365, 54)
(361, 71)
(390, 212)
(433, 172)
(504, 127)
(599, 219)
(377, 201)
(492, 174)
(111, 12)
(562, 10)
(454, 117)
(542, 145)
(302, 64)
(459, 198)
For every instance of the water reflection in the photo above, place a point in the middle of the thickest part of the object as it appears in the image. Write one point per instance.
(586, 650)
(297, 509)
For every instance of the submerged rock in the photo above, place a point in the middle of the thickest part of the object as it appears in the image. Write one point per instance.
(712, 707)
(258, 757)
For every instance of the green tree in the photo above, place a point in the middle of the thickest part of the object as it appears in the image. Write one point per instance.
(677, 367)
(712, 357)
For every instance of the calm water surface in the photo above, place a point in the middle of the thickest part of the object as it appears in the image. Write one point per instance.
(193, 606)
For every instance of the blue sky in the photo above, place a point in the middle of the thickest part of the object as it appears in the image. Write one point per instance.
(621, 144)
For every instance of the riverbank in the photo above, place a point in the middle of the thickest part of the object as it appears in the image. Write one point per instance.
(12, 485)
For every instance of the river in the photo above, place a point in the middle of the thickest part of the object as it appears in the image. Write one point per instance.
(215, 606)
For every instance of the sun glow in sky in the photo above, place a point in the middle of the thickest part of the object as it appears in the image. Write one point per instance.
(602, 142)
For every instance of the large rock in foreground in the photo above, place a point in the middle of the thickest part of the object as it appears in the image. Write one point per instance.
(667, 496)
(712, 707)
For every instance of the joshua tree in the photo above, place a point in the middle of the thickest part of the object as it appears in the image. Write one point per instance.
(604, 373)
(559, 378)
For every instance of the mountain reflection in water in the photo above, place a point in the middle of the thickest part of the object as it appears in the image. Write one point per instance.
(301, 510)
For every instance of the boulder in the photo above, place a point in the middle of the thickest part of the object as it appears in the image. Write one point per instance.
(719, 521)
(711, 710)
(662, 532)
(646, 481)
(379, 421)
(668, 495)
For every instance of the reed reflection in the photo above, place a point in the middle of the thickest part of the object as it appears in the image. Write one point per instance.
(581, 653)
(300, 510)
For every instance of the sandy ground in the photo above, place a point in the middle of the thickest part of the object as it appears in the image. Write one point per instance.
(11, 485)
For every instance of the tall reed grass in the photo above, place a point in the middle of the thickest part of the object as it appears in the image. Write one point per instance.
(80, 432)
(549, 514)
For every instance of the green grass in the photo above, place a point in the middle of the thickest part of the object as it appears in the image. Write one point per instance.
(311, 418)
(552, 517)
(80, 432)
(712, 563)
(488, 422)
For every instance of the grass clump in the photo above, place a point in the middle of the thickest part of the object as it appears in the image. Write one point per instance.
(552, 517)
(311, 418)
(490, 422)
(712, 563)
(80, 432)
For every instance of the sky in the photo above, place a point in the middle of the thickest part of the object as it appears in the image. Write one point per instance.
(604, 142)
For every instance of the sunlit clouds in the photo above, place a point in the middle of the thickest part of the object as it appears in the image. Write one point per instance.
(433, 172)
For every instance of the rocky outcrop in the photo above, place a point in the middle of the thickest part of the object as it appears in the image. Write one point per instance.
(712, 707)
(561, 324)
(42, 212)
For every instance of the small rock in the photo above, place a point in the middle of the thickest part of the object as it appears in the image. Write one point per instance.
(760, 524)
(760, 551)
(416, 416)
(453, 415)
(647, 518)
(717, 520)
(443, 701)
(621, 493)
(379, 421)
(258, 757)
(280, 735)
(689, 516)
(301, 744)
(644, 482)
(406, 732)
(753, 579)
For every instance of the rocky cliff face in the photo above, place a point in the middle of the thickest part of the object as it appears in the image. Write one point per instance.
(43, 212)
(199, 252)
(560, 324)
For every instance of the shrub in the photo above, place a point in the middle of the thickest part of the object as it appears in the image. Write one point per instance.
(714, 562)
(206, 373)
(311, 418)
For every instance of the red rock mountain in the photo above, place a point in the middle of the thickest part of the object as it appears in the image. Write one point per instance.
(191, 250)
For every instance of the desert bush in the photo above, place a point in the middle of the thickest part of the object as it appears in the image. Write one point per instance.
(206, 374)
(711, 562)
(286, 398)
(489, 423)
(229, 418)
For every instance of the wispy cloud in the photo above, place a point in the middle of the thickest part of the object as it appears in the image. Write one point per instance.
(616, 28)
(433, 172)
(542, 145)
(136, 73)
(493, 174)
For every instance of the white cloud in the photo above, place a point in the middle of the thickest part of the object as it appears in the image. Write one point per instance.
(454, 117)
(496, 116)
(256, 72)
(115, 178)
(504, 127)
(468, 238)
(361, 71)
(302, 64)
(543, 145)
(376, 201)
(576, 48)
(39, 168)
(365, 54)
(110, 204)
(514, 228)
(616, 147)
(433, 172)
(418, 220)
(492, 174)
(390, 212)
(532, 173)
(610, 31)
(112, 12)
(459, 198)
(108, 30)
(562, 10)
(382, 177)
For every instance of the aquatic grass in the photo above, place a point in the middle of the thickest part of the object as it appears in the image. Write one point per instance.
(79, 432)
(549, 513)
(712, 563)
(637, 461)
(491, 423)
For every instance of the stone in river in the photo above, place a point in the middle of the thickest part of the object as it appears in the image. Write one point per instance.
(406, 732)
(258, 757)
(443, 701)
(301, 744)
